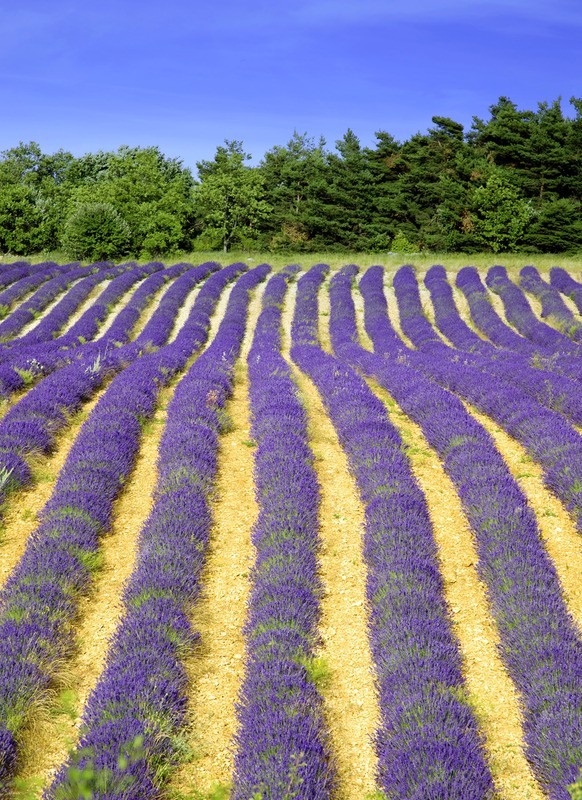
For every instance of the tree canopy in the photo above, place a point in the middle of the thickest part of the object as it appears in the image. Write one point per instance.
(513, 181)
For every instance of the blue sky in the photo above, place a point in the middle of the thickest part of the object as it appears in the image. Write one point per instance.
(187, 75)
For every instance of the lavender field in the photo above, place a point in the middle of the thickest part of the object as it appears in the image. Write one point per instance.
(305, 533)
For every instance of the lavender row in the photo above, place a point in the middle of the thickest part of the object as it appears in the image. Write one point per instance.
(52, 323)
(31, 281)
(429, 744)
(553, 306)
(14, 272)
(141, 696)
(40, 599)
(489, 323)
(44, 295)
(282, 744)
(520, 315)
(548, 388)
(33, 423)
(564, 283)
(23, 364)
(540, 644)
(547, 436)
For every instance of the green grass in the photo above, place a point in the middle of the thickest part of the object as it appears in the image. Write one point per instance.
(452, 261)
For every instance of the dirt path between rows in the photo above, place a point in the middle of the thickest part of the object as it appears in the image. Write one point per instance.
(20, 514)
(491, 691)
(561, 539)
(216, 667)
(50, 739)
(350, 701)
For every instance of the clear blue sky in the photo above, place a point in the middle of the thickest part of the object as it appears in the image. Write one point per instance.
(187, 75)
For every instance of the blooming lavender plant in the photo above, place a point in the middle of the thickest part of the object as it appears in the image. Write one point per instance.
(142, 692)
(564, 283)
(32, 424)
(489, 322)
(520, 315)
(553, 307)
(540, 643)
(31, 281)
(547, 436)
(552, 390)
(282, 746)
(428, 744)
(51, 323)
(21, 363)
(34, 305)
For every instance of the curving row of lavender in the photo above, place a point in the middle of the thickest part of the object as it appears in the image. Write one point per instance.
(31, 308)
(40, 600)
(14, 272)
(282, 745)
(540, 644)
(565, 284)
(553, 307)
(552, 390)
(551, 440)
(428, 745)
(29, 281)
(138, 706)
(491, 325)
(519, 314)
(27, 363)
(32, 424)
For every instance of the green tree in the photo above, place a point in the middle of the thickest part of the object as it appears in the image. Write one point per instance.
(229, 200)
(350, 219)
(556, 227)
(151, 192)
(500, 214)
(431, 185)
(294, 178)
(96, 232)
(32, 189)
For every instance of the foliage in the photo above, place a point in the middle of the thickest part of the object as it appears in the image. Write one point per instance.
(500, 214)
(96, 231)
(229, 199)
(512, 181)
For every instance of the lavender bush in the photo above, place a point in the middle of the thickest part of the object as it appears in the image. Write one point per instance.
(282, 747)
(141, 696)
(428, 745)
(540, 643)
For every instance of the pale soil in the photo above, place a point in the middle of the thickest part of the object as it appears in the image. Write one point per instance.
(184, 312)
(428, 309)
(365, 340)
(20, 514)
(498, 306)
(119, 306)
(56, 726)
(85, 306)
(490, 689)
(463, 306)
(491, 692)
(216, 668)
(558, 531)
(571, 305)
(350, 700)
(148, 311)
(99, 613)
(30, 326)
(393, 313)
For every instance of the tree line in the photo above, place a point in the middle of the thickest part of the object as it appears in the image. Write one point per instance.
(512, 182)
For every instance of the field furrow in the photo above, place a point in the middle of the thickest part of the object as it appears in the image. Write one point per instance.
(215, 668)
(349, 694)
(312, 537)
